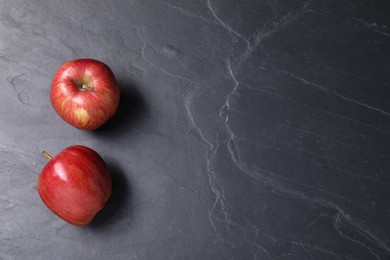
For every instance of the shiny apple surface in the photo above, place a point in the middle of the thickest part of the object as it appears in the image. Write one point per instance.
(85, 93)
(75, 184)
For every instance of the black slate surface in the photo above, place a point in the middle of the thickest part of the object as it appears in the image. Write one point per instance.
(247, 129)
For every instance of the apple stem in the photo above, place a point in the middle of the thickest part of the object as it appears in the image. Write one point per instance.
(47, 155)
(87, 87)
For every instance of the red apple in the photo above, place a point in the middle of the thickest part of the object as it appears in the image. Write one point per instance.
(75, 184)
(85, 93)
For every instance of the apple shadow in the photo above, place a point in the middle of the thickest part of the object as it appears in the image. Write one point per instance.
(131, 111)
(119, 205)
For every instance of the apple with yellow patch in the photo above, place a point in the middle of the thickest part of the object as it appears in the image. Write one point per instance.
(85, 93)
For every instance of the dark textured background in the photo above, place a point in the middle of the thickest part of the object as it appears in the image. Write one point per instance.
(247, 129)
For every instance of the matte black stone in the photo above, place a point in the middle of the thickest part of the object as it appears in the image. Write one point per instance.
(246, 130)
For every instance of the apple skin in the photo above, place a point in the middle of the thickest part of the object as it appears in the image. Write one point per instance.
(75, 184)
(85, 93)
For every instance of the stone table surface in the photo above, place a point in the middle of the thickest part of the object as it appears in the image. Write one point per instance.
(246, 129)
